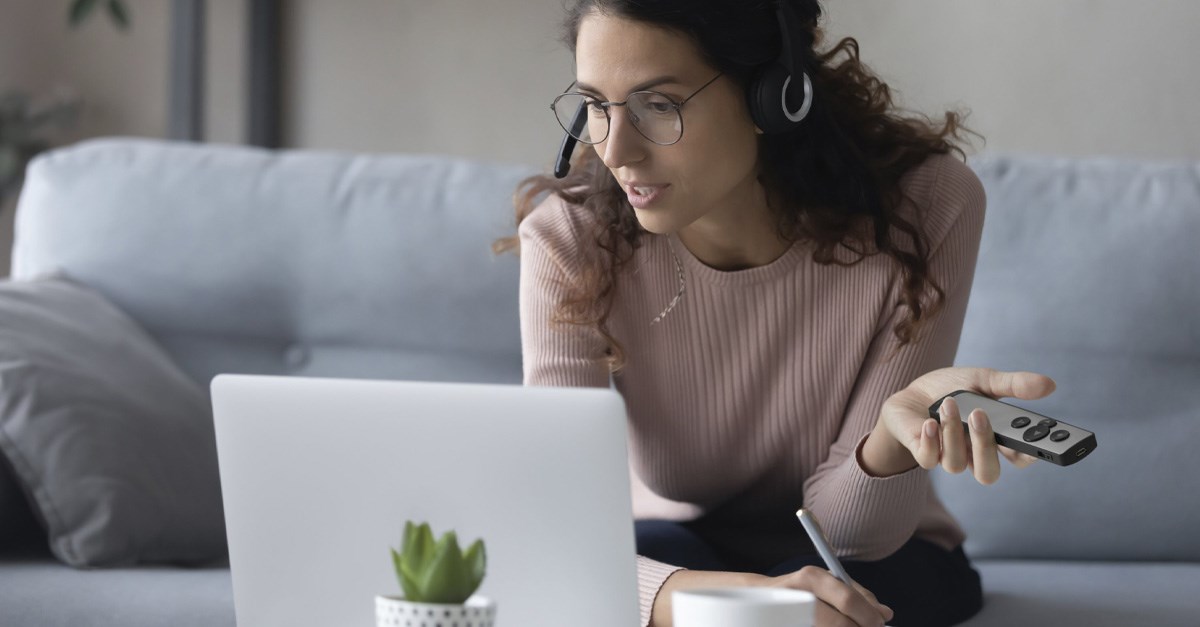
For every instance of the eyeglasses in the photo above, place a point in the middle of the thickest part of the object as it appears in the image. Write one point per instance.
(656, 116)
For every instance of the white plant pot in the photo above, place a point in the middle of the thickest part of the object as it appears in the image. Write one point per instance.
(394, 611)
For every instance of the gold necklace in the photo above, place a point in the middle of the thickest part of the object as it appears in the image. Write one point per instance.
(682, 286)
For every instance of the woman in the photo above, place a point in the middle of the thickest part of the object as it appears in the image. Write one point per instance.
(775, 281)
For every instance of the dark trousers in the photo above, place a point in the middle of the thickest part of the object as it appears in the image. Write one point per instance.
(925, 585)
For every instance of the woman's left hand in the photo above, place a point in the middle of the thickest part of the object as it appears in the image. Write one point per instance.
(905, 428)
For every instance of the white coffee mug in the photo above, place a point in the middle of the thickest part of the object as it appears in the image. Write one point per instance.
(743, 607)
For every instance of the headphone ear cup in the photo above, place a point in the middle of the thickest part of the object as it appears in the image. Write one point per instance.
(763, 94)
(765, 98)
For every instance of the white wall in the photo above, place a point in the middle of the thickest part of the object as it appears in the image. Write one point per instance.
(121, 76)
(473, 78)
(462, 77)
(1072, 77)
(40, 53)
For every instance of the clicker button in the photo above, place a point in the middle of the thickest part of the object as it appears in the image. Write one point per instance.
(1019, 422)
(1033, 434)
(1060, 435)
(1049, 423)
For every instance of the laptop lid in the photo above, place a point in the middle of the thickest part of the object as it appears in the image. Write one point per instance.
(319, 475)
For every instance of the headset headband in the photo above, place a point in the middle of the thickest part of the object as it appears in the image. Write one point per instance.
(789, 57)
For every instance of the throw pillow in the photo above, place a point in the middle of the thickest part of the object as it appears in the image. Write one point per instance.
(113, 442)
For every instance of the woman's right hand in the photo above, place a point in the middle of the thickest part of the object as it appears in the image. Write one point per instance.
(838, 605)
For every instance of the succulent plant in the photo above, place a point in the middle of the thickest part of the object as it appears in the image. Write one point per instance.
(24, 122)
(438, 572)
(81, 9)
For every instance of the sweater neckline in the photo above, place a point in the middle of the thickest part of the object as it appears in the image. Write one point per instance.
(782, 265)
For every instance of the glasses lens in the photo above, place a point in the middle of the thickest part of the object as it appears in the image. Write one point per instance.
(656, 117)
(593, 124)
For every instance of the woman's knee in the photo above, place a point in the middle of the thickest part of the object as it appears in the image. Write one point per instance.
(672, 543)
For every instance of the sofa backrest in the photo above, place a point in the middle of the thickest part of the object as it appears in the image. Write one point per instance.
(294, 262)
(1089, 272)
(298, 262)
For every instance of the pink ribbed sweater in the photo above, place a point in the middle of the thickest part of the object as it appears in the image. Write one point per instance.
(756, 391)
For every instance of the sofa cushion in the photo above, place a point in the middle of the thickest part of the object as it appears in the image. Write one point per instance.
(112, 440)
(306, 263)
(1071, 594)
(1088, 273)
(39, 591)
(1086, 594)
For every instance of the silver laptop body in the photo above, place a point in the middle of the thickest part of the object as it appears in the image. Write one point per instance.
(319, 475)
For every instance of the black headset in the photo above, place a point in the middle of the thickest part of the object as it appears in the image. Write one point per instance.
(766, 95)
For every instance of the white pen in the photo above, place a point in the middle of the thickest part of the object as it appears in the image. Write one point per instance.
(818, 539)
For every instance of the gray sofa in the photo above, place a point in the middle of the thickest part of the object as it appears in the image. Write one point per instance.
(240, 260)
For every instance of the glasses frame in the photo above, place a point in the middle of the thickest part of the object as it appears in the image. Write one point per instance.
(608, 104)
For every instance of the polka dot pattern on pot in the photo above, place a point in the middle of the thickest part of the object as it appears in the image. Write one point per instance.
(396, 612)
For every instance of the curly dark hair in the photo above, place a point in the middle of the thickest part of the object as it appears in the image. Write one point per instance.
(838, 174)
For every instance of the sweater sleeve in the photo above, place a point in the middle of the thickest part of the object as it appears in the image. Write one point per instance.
(565, 355)
(869, 518)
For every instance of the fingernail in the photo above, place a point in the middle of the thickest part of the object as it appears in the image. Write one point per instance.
(976, 420)
(949, 406)
(931, 429)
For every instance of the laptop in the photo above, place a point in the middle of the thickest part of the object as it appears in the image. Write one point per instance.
(319, 476)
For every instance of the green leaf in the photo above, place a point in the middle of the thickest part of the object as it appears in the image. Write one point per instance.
(119, 14)
(10, 171)
(10, 163)
(438, 572)
(59, 113)
(476, 558)
(80, 9)
(447, 578)
(408, 542)
(407, 584)
(418, 548)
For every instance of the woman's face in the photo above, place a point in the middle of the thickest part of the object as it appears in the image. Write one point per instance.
(709, 174)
